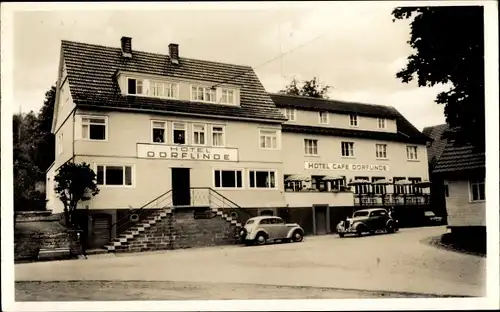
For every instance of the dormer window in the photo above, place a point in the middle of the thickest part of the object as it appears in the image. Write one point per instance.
(163, 89)
(135, 86)
(227, 96)
(204, 94)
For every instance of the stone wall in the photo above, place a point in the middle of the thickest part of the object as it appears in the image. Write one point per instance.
(182, 230)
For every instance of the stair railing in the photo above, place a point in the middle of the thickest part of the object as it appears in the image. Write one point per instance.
(124, 223)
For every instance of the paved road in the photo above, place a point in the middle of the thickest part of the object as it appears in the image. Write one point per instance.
(395, 262)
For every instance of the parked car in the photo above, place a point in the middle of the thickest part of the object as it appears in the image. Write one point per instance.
(263, 229)
(432, 219)
(368, 220)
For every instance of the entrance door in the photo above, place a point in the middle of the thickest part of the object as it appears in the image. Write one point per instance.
(181, 187)
(101, 224)
(320, 217)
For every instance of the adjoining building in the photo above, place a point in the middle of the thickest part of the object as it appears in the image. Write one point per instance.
(463, 170)
(163, 130)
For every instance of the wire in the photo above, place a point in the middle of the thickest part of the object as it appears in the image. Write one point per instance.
(273, 59)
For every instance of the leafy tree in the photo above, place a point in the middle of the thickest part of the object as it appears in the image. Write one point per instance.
(311, 88)
(448, 45)
(75, 183)
(45, 151)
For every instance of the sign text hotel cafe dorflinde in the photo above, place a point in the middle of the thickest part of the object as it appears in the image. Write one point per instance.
(186, 152)
(347, 167)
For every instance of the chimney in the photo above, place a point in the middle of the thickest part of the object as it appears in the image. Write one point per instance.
(126, 47)
(173, 51)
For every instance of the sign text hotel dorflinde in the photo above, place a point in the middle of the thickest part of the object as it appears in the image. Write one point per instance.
(347, 167)
(187, 152)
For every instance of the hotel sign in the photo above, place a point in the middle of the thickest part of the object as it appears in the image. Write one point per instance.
(347, 167)
(181, 152)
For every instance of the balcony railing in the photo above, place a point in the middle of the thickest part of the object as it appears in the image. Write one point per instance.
(391, 199)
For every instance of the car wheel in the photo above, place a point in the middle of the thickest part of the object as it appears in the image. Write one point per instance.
(360, 229)
(341, 234)
(260, 239)
(390, 228)
(297, 236)
(372, 232)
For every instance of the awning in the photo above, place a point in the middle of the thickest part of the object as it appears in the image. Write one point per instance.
(332, 178)
(297, 177)
(402, 182)
(381, 182)
(423, 184)
(359, 182)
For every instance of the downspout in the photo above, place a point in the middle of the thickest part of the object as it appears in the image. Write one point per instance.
(73, 145)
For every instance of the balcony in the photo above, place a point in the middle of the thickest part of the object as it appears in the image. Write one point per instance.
(386, 200)
(307, 198)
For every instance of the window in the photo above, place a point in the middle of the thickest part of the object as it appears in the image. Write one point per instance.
(381, 123)
(477, 190)
(204, 94)
(94, 128)
(114, 175)
(179, 133)
(310, 147)
(411, 187)
(135, 86)
(158, 131)
(262, 179)
(217, 135)
(268, 139)
(294, 186)
(362, 188)
(323, 117)
(317, 183)
(227, 96)
(163, 89)
(353, 120)
(381, 151)
(411, 152)
(398, 189)
(290, 113)
(378, 188)
(228, 178)
(347, 149)
(59, 144)
(199, 137)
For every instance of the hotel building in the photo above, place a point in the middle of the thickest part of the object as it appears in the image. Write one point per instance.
(163, 130)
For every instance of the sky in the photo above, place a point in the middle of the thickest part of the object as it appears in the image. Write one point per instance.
(353, 47)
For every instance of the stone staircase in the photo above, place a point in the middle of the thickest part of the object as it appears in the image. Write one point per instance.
(175, 228)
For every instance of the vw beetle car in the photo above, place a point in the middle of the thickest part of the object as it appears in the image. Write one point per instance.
(367, 220)
(263, 229)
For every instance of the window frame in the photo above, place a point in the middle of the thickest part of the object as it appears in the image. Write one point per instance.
(306, 149)
(384, 123)
(276, 135)
(82, 123)
(173, 86)
(165, 135)
(408, 154)
(205, 132)
(186, 140)
(275, 171)
(132, 173)
(227, 90)
(342, 149)
(235, 170)
(355, 119)
(204, 87)
(377, 151)
(223, 135)
(293, 114)
(142, 80)
(471, 184)
(327, 118)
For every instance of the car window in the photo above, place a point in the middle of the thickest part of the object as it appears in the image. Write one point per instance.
(375, 214)
(278, 221)
(361, 214)
(265, 221)
(250, 221)
(383, 213)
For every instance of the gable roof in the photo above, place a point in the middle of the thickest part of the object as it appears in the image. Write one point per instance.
(91, 74)
(406, 132)
(436, 147)
(457, 157)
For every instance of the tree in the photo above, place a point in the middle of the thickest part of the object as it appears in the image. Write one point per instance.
(448, 45)
(311, 88)
(74, 183)
(45, 150)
